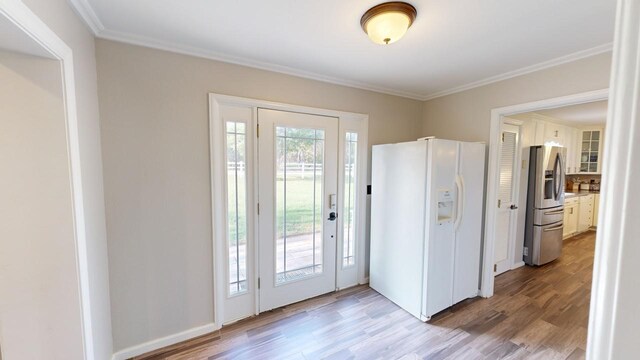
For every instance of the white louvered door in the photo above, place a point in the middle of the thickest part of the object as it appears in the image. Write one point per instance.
(507, 209)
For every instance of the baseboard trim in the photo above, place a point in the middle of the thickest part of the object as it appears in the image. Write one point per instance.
(163, 342)
(517, 265)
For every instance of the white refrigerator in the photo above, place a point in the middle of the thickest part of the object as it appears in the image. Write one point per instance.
(426, 223)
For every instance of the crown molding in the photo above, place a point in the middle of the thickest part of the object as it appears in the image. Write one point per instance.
(525, 70)
(213, 55)
(88, 15)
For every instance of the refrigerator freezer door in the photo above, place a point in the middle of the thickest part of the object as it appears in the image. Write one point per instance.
(398, 193)
(547, 243)
(469, 232)
(548, 216)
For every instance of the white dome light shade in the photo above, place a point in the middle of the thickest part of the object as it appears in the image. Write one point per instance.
(387, 23)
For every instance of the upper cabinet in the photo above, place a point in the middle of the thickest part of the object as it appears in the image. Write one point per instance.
(583, 144)
(555, 134)
(591, 151)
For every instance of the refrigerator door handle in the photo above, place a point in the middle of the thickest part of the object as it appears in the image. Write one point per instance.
(554, 228)
(460, 202)
(557, 177)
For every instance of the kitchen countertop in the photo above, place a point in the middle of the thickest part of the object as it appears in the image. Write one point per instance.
(568, 195)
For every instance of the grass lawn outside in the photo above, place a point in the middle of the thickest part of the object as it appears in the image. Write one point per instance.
(299, 211)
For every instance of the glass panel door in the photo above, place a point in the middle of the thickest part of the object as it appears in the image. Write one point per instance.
(299, 202)
(297, 197)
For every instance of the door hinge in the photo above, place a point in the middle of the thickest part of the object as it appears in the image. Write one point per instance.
(495, 267)
(499, 202)
(502, 137)
(258, 283)
(258, 208)
(258, 130)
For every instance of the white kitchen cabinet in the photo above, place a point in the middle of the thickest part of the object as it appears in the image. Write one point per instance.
(573, 137)
(586, 213)
(554, 134)
(570, 217)
(596, 207)
(590, 150)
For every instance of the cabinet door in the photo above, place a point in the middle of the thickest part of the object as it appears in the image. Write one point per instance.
(596, 207)
(586, 213)
(591, 151)
(567, 217)
(577, 141)
(571, 224)
(554, 134)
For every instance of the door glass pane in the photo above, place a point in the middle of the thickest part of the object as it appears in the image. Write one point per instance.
(237, 207)
(299, 203)
(586, 135)
(593, 167)
(348, 238)
(595, 135)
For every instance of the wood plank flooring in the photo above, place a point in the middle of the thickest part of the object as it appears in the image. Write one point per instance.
(536, 313)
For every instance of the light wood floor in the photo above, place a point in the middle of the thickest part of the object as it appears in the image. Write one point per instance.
(536, 313)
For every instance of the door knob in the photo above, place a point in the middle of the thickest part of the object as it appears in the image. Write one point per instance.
(513, 207)
(332, 216)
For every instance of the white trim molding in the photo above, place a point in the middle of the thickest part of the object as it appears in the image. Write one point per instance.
(497, 115)
(601, 49)
(163, 342)
(177, 48)
(84, 9)
(615, 298)
(20, 15)
(216, 148)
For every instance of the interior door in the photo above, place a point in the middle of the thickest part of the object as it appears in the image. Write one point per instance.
(297, 204)
(507, 207)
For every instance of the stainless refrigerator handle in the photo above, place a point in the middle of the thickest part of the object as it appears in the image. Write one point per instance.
(557, 168)
(554, 228)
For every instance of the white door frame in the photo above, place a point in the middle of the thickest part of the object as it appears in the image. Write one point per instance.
(515, 192)
(354, 121)
(615, 315)
(497, 120)
(20, 15)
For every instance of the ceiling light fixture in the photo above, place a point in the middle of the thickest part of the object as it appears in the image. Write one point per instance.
(388, 22)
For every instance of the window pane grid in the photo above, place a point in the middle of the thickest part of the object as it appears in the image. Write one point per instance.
(299, 175)
(590, 151)
(236, 206)
(348, 239)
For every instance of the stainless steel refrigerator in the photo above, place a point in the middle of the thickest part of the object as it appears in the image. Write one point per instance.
(545, 205)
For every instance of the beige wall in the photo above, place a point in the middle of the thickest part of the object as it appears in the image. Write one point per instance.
(40, 313)
(60, 18)
(154, 118)
(467, 115)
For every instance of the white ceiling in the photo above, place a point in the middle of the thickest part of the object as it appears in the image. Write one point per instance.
(594, 113)
(453, 44)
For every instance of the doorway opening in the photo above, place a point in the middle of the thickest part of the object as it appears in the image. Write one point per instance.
(43, 256)
(289, 203)
(540, 123)
(554, 206)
